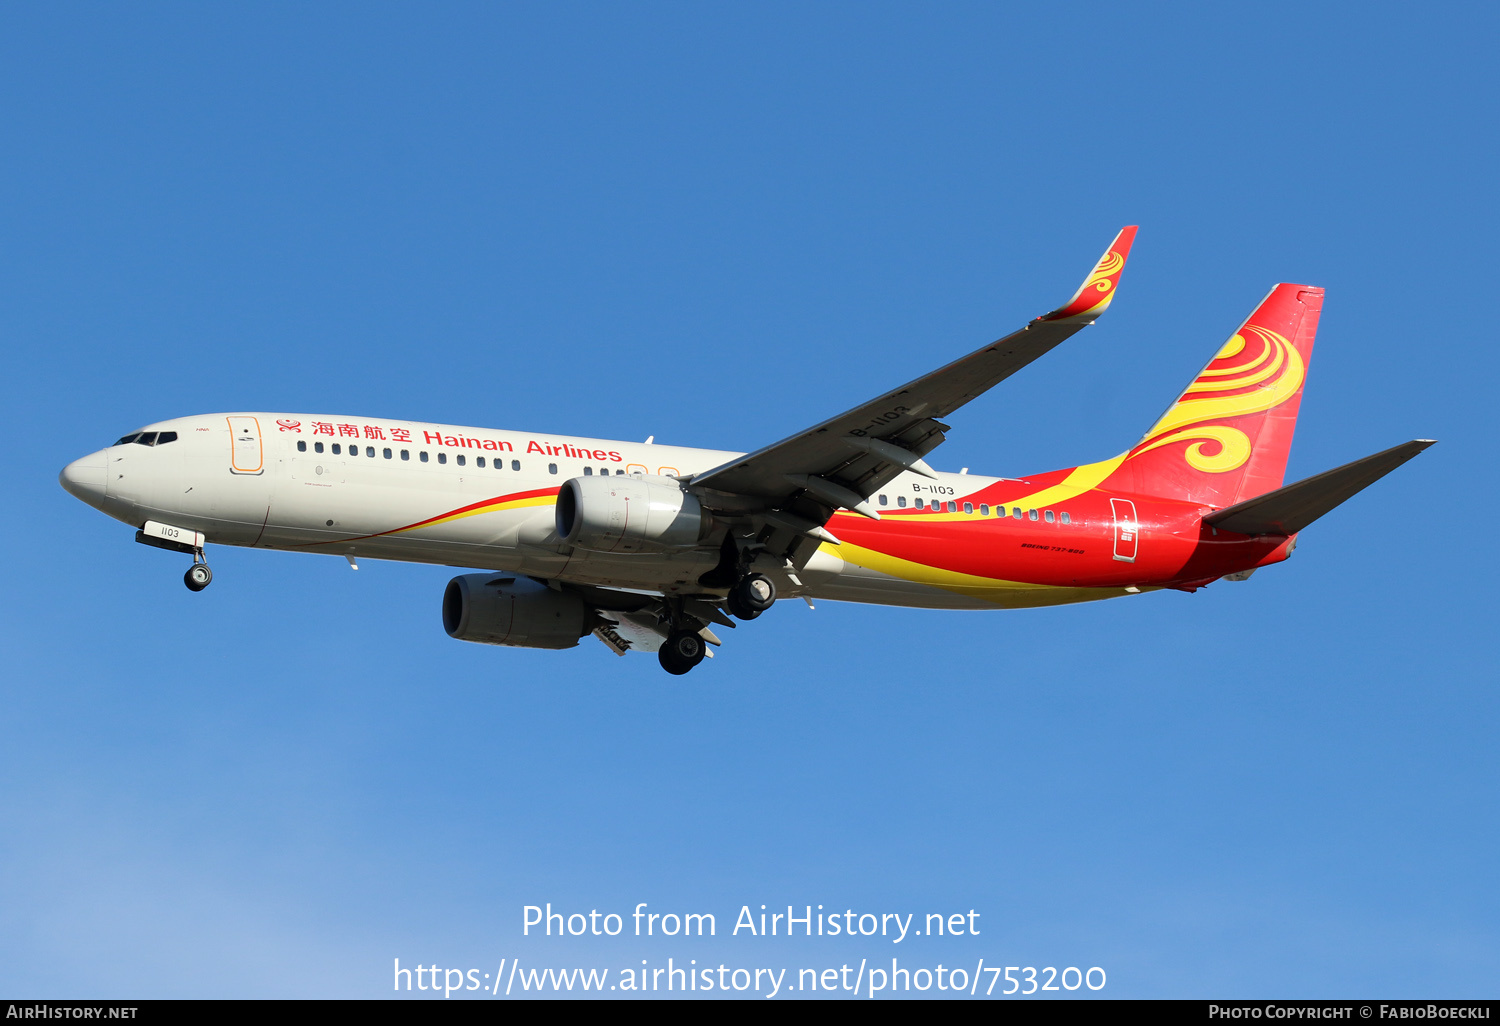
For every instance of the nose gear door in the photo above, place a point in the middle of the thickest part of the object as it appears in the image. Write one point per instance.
(246, 454)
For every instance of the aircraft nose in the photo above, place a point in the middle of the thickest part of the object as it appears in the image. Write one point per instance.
(84, 479)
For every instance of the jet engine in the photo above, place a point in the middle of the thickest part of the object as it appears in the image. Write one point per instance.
(503, 609)
(630, 514)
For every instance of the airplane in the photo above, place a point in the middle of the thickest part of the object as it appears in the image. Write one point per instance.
(648, 546)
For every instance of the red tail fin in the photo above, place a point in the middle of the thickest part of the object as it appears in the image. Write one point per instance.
(1227, 437)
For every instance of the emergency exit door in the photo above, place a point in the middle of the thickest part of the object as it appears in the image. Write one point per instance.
(1127, 530)
(245, 453)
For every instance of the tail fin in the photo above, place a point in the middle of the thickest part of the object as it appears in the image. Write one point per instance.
(1227, 437)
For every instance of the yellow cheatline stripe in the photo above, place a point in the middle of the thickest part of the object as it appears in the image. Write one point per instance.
(1009, 594)
(537, 500)
(1082, 479)
(921, 573)
(1078, 481)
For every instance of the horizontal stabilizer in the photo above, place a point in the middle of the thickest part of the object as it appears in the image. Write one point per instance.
(1288, 510)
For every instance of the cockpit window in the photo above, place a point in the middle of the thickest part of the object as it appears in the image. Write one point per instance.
(149, 438)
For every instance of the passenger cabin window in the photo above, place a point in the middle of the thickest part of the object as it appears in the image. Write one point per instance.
(423, 456)
(460, 459)
(1065, 518)
(901, 501)
(1049, 516)
(968, 507)
(552, 468)
(920, 504)
(479, 462)
(588, 471)
(515, 464)
(952, 507)
(1031, 513)
(406, 454)
(1017, 512)
(337, 451)
(317, 447)
(386, 453)
(370, 451)
(883, 502)
(301, 445)
(442, 457)
(984, 509)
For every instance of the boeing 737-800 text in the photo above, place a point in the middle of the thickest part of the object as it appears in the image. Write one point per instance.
(650, 546)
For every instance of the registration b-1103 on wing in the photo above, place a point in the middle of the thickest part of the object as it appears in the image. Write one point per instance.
(650, 547)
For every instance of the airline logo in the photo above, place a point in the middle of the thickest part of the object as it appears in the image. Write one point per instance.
(382, 433)
(1094, 296)
(1255, 371)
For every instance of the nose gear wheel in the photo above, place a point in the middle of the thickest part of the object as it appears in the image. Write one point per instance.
(198, 577)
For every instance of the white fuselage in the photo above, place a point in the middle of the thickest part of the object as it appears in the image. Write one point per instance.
(465, 497)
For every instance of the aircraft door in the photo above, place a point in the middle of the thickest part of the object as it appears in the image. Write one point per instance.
(246, 454)
(1127, 529)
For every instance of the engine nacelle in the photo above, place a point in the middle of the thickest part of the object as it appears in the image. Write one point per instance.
(503, 609)
(630, 514)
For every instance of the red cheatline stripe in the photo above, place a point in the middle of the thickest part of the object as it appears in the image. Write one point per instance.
(512, 497)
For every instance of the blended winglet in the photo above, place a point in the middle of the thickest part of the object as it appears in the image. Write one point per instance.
(1094, 295)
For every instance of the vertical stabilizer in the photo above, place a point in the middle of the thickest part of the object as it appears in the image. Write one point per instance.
(1227, 437)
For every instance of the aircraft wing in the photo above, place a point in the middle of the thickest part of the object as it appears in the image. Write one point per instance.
(842, 461)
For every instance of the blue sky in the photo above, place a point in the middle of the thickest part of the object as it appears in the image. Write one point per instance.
(717, 225)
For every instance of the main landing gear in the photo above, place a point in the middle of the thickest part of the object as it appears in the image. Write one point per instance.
(752, 595)
(682, 651)
(685, 646)
(749, 595)
(198, 576)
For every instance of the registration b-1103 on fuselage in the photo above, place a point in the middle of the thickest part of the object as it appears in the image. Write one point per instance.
(649, 547)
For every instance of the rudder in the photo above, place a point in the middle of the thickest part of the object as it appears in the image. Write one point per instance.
(1227, 437)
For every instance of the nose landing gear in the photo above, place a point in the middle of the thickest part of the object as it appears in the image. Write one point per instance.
(179, 539)
(198, 577)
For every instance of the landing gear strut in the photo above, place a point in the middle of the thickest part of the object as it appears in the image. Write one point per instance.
(682, 651)
(753, 595)
(198, 576)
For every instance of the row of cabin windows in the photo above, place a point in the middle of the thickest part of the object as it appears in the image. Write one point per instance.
(984, 509)
(149, 438)
(422, 456)
(479, 461)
